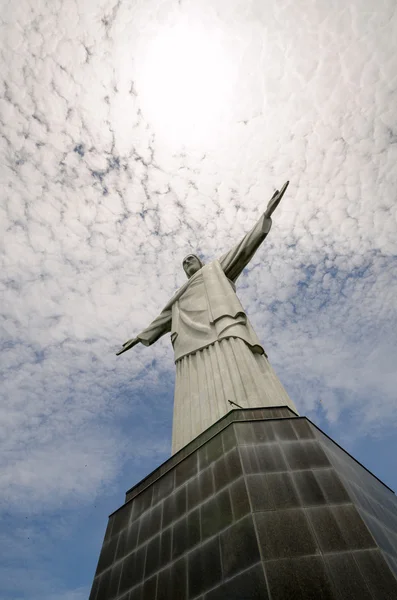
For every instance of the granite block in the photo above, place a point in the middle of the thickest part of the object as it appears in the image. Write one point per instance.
(239, 547)
(339, 528)
(149, 589)
(107, 554)
(186, 533)
(378, 577)
(164, 486)
(180, 542)
(381, 534)
(303, 429)
(284, 533)
(164, 585)
(263, 431)
(141, 503)
(239, 499)
(284, 430)
(346, 577)
(103, 585)
(303, 578)
(226, 469)
(193, 527)
(229, 440)
(200, 488)
(249, 585)
(132, 570)
(204, 567)
(128, 577)
(179, 579)
(262, 458)
(132, 536)
(121, 550)
(331, 485)
(165, 546)
(172, 582)
(121, 518)
(305, 454)
(152, 562)
(244, 433)
(210, 452)
(186, 469)
(114, 580)
(272, 491)
(135, 593)
(216, 514)
(308, 486)
(174, 506)
(150, 523)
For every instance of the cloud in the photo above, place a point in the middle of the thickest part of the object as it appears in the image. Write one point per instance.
(101, 204)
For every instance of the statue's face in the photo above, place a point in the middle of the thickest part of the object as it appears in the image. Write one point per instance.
(191, 264)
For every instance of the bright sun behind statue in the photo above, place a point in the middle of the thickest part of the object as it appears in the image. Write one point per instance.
(185, 82)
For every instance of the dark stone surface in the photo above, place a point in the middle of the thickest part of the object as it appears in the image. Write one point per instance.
(226, 469)
(239, 499)
(149, 589)
(376, 503)
(165, 547)
(172, 582)
(250, 585)
(378, 577)
(284, 533)
(174, 506)
(263, 458)
(103, 586)
(303, 578)
(200, 488)
(114, 580)
(186, 469)
(239, 547)
(261, 505)
(152, 556)
(216, 514)
(305, 454)
(339, 528)
(204, 569)
(272, 491)
(346, 576)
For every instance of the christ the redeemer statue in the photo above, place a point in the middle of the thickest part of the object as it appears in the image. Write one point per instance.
(220, 363)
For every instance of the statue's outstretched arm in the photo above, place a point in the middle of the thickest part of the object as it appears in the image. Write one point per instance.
(157, 328)
(234, 261)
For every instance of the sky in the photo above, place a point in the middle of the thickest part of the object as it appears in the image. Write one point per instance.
(134, 133)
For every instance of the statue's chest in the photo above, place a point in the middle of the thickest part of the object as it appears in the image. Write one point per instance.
(194, 298)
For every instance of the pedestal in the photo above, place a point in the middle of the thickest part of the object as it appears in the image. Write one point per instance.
(262, 505)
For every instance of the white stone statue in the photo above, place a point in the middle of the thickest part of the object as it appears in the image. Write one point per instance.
(219, 360)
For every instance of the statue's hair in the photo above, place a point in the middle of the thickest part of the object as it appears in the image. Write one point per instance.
(198, 258)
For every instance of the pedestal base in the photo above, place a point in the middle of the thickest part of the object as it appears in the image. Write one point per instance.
(261, 505)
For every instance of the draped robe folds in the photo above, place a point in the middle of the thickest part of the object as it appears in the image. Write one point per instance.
(217, 353)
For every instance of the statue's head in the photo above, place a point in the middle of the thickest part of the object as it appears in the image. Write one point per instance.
(191, 264)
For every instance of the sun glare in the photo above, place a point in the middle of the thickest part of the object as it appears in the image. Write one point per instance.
(185, 84)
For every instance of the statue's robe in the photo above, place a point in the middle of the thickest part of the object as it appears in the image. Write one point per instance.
(217, 353)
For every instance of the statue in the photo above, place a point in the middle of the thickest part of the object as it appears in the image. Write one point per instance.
(218, 357)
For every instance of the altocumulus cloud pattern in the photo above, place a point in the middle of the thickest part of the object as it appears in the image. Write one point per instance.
(133, 133)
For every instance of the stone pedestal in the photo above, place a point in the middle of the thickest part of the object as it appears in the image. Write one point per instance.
(262, 505)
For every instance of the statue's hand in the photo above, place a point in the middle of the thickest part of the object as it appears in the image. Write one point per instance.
(130, 344)
(275, 200)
